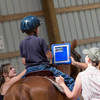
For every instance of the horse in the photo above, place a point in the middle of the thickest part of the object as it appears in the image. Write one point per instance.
(35, 88)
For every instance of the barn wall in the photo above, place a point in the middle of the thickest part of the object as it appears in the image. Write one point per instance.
(78, 24)
(72, 25)
(10, 31)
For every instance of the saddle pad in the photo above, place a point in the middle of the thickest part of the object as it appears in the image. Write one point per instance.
(56, 85)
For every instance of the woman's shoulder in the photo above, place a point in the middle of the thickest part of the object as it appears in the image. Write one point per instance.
(82, 74)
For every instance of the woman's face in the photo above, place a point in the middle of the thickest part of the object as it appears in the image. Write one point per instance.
(12, 72)
(87, 59)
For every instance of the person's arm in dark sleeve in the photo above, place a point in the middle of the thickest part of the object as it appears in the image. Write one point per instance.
(46, 50)
(22, 54)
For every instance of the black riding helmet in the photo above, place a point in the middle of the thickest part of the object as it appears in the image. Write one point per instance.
(29, 24)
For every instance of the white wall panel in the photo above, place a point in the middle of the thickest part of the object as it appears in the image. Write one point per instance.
(11, 30)
(78, 25)
(73, 25)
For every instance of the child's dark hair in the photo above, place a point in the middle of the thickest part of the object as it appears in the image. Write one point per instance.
(3, 69)
(31, 32)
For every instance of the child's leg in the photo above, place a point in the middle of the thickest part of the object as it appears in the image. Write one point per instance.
(68, 80)
(34, 68)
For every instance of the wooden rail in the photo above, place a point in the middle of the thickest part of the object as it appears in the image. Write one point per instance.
(9, 55)
(78, 8)
(89, 40)
(80, 42)
(18, 16)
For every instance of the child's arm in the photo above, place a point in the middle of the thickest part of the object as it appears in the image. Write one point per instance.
(49, 56)
(23, 61)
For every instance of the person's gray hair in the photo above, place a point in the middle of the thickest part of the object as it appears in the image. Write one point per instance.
(93, 53)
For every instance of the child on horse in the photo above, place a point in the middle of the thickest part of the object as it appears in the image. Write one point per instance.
(34, 50)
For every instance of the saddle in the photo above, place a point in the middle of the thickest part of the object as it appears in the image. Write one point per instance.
(40, 73)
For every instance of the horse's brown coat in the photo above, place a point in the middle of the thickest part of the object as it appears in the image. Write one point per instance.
(34, 88)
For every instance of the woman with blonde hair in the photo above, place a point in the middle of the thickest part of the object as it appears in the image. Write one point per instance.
(8, 77)
(88, 81)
